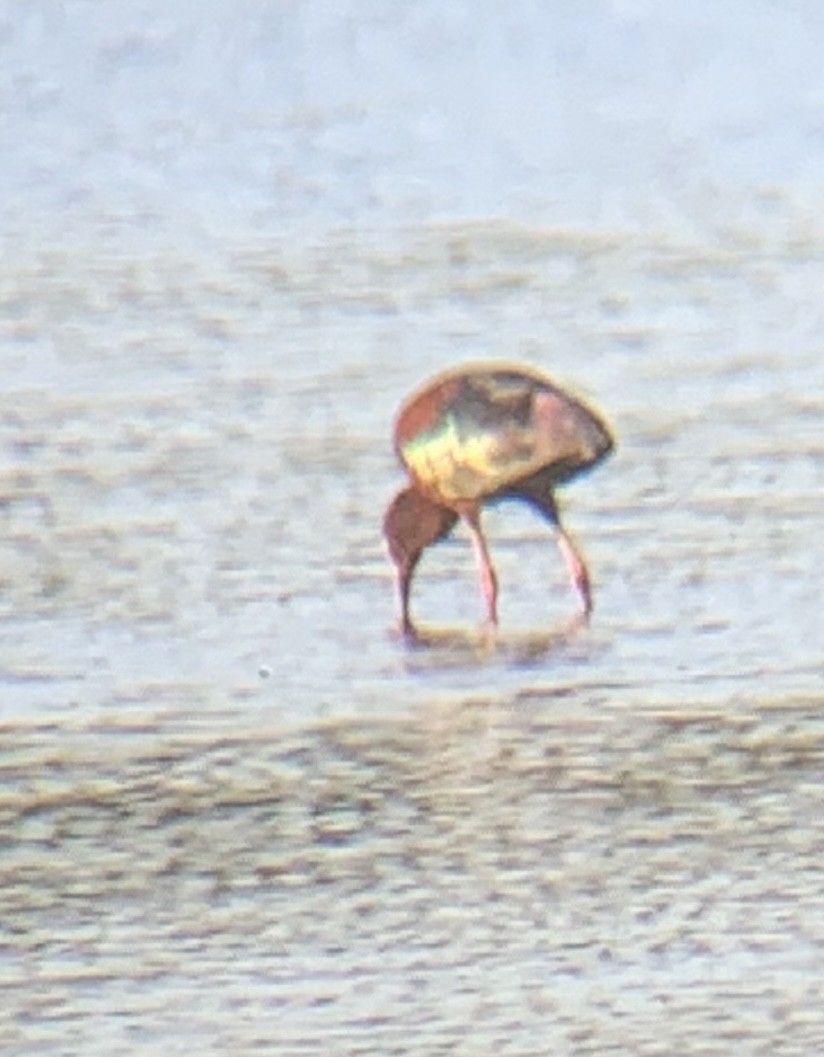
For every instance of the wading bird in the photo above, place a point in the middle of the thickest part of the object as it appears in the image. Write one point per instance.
(478, 434)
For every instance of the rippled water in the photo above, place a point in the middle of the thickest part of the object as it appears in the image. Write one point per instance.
(237, 814)
(517, 873)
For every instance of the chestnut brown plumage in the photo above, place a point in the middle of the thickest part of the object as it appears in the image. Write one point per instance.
(479, 434)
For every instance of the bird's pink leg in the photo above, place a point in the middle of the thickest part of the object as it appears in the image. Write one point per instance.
(489, 581)
(577, 569)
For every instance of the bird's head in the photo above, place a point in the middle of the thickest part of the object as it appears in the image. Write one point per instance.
(412, 523)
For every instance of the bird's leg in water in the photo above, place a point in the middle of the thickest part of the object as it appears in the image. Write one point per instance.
(577, 569)
(489, 581)
(544, 500)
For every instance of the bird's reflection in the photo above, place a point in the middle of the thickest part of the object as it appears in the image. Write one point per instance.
(457, 646)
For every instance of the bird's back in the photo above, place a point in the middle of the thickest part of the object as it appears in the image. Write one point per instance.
(480, 429)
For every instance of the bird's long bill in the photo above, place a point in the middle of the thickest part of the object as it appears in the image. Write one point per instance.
(405, 573)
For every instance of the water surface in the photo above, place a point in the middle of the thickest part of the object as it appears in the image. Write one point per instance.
(237, 814)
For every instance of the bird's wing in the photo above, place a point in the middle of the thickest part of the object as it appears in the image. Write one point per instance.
(497, 430)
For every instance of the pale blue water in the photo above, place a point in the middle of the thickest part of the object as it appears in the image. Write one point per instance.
(235, 812)
(264, 117)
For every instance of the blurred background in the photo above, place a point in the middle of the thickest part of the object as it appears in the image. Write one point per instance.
(236, 812)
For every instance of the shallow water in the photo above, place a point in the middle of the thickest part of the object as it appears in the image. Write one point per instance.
(240, 814)
(237, 813)
(208, 508)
